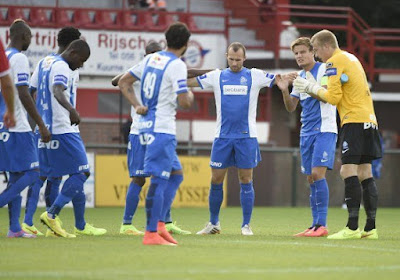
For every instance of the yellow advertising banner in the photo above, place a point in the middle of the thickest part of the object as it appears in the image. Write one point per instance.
(112, 182)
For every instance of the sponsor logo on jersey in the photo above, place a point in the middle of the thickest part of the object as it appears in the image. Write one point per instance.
(83, 167)
(147, 124)
(215, 164)
(23, 77)
(368, 125)
(4, 136)
(234, 90)
(52, 145)
(158, 61)
(329, 64)
(165, 174)
(331, 72)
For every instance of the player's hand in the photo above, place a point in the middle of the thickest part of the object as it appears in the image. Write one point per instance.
(310, 77)
(290, 77)
(45, 134)
(74, 117)
(282, 84)
(9, 120)
(301, 85)
(141, 110)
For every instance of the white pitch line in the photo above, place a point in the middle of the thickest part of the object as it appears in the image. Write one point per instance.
(330, 245)
(181, 271)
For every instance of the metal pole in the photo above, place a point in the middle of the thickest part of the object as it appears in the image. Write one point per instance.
(294, 178)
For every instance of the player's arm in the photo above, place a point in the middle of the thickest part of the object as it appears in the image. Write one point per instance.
(192, 73)
(289, 101)
(58, 90)
(185, 100)
(7, 89)
(125, 84)
(30, 107)
(115, 80)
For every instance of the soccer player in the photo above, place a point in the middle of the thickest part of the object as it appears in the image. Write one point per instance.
(65, 154)
(7, 89)
(318, 134)
(17, 145)
(360, 142)
(64, 37)
(236, 90)
(135, 162)
(163, 77)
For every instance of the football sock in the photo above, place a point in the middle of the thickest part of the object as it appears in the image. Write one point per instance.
(247, 201)
(321, 201)
(215, 199)
(132, 201)
(14, 211)
(352, 192)
(32, 201)
(169, 195)
(52, 190)
(18, 182)
(168, 218)
(154, 202)
(370, 195)
(313, 206)
(79, 202)
(72, 186)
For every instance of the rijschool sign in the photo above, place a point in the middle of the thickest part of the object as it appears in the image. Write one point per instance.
(113, 52)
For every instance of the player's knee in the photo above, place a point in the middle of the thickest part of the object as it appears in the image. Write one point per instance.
(140, 181)
(245, 179)
(317, 175)
(364, 173)
(217, 179)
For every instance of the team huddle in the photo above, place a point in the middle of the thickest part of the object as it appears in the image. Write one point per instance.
(154, 87)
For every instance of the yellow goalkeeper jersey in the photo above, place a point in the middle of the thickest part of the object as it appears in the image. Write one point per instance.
(352, 98)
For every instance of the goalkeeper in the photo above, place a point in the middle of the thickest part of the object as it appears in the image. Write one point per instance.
(348, 89)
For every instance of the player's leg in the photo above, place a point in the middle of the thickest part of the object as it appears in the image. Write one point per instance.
(31, 205)
(135, 157)
(370, 198)
(351, 151)
(174, 182)
(306, 151)
(159, 153)
(323, 158)
(247, 156)
(222, 157)
(52, 190)
(132, 201)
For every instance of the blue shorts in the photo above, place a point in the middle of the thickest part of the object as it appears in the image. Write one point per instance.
(63, 155)
(243, 153)
(17, 151)
(317, 150)
(160, 156)
(135, 153)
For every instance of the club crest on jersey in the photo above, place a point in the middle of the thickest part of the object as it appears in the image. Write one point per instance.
(329, 64)
(243, 81)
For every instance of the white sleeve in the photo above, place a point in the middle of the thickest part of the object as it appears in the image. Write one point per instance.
(177, 73)
(60, 73)
(137, 70)
(208, 80)
(262, 79)
(20, 69)
(35, 77)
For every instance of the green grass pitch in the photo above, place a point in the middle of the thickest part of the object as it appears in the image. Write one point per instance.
(272, 253)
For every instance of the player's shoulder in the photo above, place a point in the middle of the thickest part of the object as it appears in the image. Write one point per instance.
(19, 58)
(338, 57)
